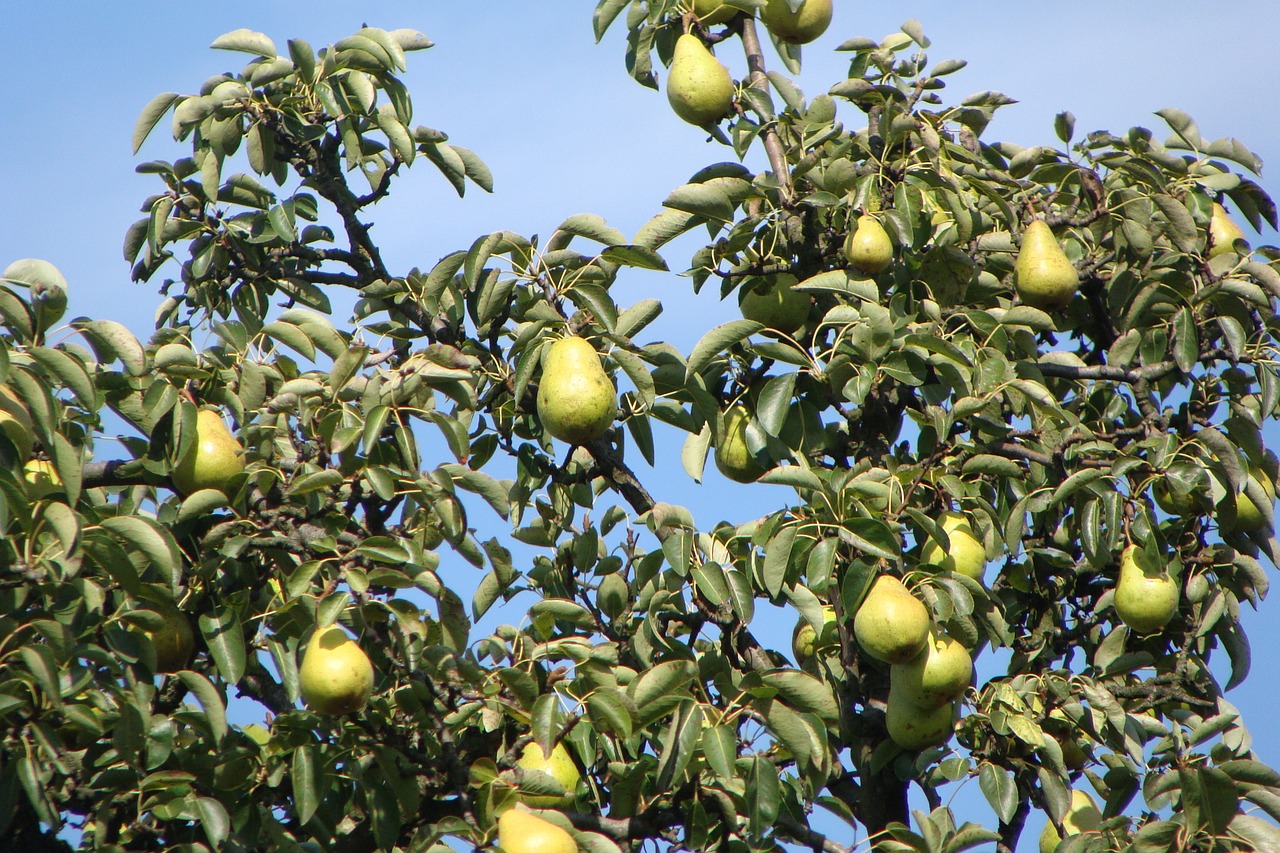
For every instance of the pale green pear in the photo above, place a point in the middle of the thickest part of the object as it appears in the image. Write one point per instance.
(1248, 515)
(733, 457)
(1046, 278)
(576, 399)
(521, 832)
(713, 12)
(212, 459)
(173, 640)
(938, 675)
(699, 88)
(803, 25)
(805, 640)
(891, 625)
(914, 728)
(775, 303)
(868, 248)
(1223, 232)
(966, 554)
(1146, 597)
(558, 765)
(1083, 816)
(336, 676)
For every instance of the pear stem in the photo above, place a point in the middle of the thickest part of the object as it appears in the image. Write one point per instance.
(759, 80)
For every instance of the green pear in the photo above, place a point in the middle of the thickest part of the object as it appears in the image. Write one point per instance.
(336, 676)
(1083, 816)
(891, 625)
(805, 640)
(1046, 278)
(803, 25)
(868, 248)
(733, 457)
(1248, 515)
(173, 640)
(576, 398)
(698, 86)
(1223, 232)
(1176, 504)
(15, 422)
(914, 728)
(775, 304)
(212, 459)
(41, 477)
(938, 675)
(558, 765)
(521, 832)
(966, 556)
(1146, 597)
(713, 12)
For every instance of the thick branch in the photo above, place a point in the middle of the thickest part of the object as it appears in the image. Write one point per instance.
(759, 80)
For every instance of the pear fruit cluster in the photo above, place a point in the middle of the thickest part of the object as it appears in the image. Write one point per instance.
(212, 459)
(923, 691)
(699, 88)
(734, 459)
(576, 399)
(1146, 598)
(558, 765)
(1045, 276)
(336, 676)
(809, 20)
(966, 554)
(522, 832)
(868, 248)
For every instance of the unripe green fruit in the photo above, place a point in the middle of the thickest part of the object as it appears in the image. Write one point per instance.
(1083, 816)
(336, 676)
(801, 26)
(699, 88)
(733, 457)
(937, 676)
(868, 248)
(805, 640)
(173, 640)
(891, 625)
(559, 766)
(914, 728)
(713, 12)
(1145, 599)
(1223, 232)
(1248, 515)
(521, 832)
(212, 459)
(42, 478)
(966, 555)
(776, 304)
(1046, 278)
(576, 399)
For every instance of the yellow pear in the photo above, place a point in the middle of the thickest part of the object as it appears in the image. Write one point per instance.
(559, 766)
(892, 625)
(521, 832)
(938, 675)
(1046, 277)
(42, 478)
(914, 728)
(576, 398)
(699, 88)
(1145, 598)
(775, 304)
(173, 640)
(15, 422)
(212, 459)
(805, 641)
(1223, 232)
(801, 26)
(966, 555)
(713, 12)
(733, 457)
(336, 676)
(1083, 816)
(1248, 515)
(868, 247)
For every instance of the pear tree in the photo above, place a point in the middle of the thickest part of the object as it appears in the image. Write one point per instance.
(1013, 441)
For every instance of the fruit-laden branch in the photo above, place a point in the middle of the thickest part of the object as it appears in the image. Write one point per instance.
(759, 80)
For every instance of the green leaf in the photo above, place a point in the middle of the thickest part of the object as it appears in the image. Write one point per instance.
(302, 777)
(225, 638)
(998, 787)
(635, 256)
(150, 117)
(214, 820)
(152, 540)
(717, 341)
(701, 200)
(245, 41)
(215, 712)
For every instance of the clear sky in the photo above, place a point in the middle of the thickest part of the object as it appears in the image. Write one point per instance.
(565, 131)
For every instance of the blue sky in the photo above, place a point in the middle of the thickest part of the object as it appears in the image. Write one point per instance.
(565, 131)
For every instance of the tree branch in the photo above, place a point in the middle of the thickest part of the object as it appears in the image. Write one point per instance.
(769, 135)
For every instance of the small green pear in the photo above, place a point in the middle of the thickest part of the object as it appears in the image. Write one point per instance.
(1146, 597)
(914, 728)
(521, 832)
(576, 399)
(733, 457)
(891, 625)
(699, 88)
(558, 765)
(938, 675)
(1046, 278)
(966, 556)
(212, 459)
(1174, 503)
(336, 676)
(15, 422)
(805, 640)
(1083, 816)
(173, 640)
(868, 248)
(775, 303)
(713, 12)
(1223, 232)
(1248, 515)
(803, 25)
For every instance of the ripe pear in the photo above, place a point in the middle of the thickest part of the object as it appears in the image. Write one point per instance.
(15, 422)
(776, 304)
(1046, 278)
(699, 88)
(173, 640)
(801, 26)
(336, 676)
(1145, 598)
(713, 12)
(559, 766)
(805, 641)
(935, 677)
(733, 457)
(966, 556)
(1083, 816)
(868, 248)
(212, 459)
(576, 398)
(42, 478)
(1248, 514)
(914, 728)
(521, 832)
(1223, 232)
(892, 625)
